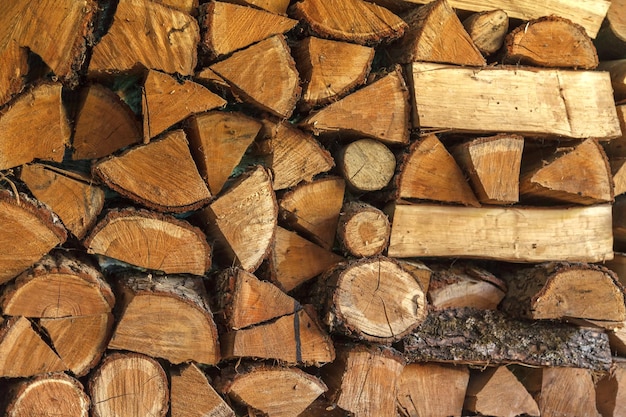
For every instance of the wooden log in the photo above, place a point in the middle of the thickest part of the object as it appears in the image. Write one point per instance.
(129, 384)
(423, 387)
(13, 80)
(160, 175)
(187, 6)
(366, 165)
(274, 6)
(611, 40)
(193, 396)
(619, 223)
(151, 240)
(610, 396)
(489, 337)
(363, 229)
(616, 152)
(494, 99)
(533, 234)
(166, 317)
(617, 71)
(420, 272)
(169, 45)
(436, 34)
(487, 30)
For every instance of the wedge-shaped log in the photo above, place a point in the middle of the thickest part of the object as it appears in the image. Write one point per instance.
(166, 317)
(12, 82)
(487, 30)
(160, 175)
(169, 45)
(192, 395)
(366, 165)
(536, 102)
(619, 224)
(610, 395)
(532, 234)
(363, 230)
(152, 241)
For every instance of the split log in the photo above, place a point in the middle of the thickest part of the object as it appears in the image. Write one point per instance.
(187, 6)
(616, 152)
(148, 34)
(366, 165)
(487, 30)
(160, 175)
(420, 272)
(166, 317)
(493, 165)
(363, 230)
(551, 41)
(611, 40)
(193, 396)
(610, 396)
(432, 389)
(152, 241)
(533, 234)
(619, 223)
(436, 34)
(617, 71)
(129, 384)
(72, 196)
(12, 81)
(497, 100)
(48, 133)
(489, 337)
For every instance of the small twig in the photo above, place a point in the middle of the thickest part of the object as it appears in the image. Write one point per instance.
(3, 177)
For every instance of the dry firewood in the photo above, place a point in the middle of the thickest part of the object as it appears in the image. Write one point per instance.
(322, 407)
(356, 377)
(610, 396)
(420, 272)
(493, 166)
(363, 230)
(497, 99)
(274, 6)
(104, 124)
(313, 208)
(366, 165)
(72, 196)
(579, 174)
(436, 34)
(192, 395)
(354, 114)
(263, 75)
(12, 81)
(166, 317)
(187, 6)
(129, 384)
(48, 133)
(242, 221)
(167, 102)
(616, 152)
(496, 391)
(29, 231)
(148, 34)
(358, 22)
(151, 240)
(532, 234)
(611, 40)
(489, 337)
(294, 260)
(229, 27)
(487, 30)
(207, 76)
(619, 223)
(423, 387)
(330, 69)
(617, 70)
(429, 172)
(372, 299)
(160, 175)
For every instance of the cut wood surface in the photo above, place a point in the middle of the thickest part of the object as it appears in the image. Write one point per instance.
(366, 165)
(617, 70)
(193, 396)
(610, 392)
(363, 229)
(487, 30)
(533, 234)
(538, 102)
(611, 40)
(12, 81)
(619, 223)
(616, 152)
(187, 6)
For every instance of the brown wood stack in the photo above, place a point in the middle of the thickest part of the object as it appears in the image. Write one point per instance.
(312, 208)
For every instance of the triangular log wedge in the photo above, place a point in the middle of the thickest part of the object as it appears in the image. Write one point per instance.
(245, 300)
(422, 386)
(23, 353)
(19, 145)
(363, 230)
(243, 220)
(192, 395)
(551, 41)
(493, 166)
(533, 234)
(166, 317)
(58, 285)
(420, 272)
(12, 81)
(580, 175)
(498, 101)
(610, 395)
(169, 45)
(229, 27)
(296, 339)
(218, 141)
(359, 21)
(103, 125)
(355, 115)
(330, 69)
(436, 34)
(366, 165)
(152, 241)
(294, 260)
(313, 209)
(487, 30)
(497, 392)
(373, 299)
(263, 75)
(29, 231)
(161, 175)
(72, 196)
(167, 102)
(429, 172)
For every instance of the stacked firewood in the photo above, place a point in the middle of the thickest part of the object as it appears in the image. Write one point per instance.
(312, 208)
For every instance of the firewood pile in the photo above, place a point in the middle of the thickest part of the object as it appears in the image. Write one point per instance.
(312, 208)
